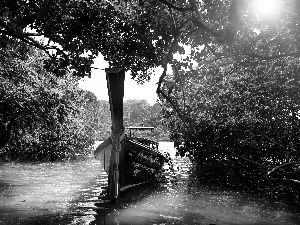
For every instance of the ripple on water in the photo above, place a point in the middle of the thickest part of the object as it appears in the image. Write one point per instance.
(35, 188)
(29, 190)
(189, 203)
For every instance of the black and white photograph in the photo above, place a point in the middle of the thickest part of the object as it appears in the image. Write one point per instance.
(149, 112)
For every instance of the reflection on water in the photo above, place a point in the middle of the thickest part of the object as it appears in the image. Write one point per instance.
(188, 203)
(32, 189)
(42, 190)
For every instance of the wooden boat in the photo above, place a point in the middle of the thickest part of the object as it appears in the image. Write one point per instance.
(127, 160)
(141, 160)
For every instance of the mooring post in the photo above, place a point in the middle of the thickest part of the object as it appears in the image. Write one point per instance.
(115, 83)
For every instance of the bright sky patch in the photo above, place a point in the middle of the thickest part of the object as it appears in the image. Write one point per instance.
(268, 8)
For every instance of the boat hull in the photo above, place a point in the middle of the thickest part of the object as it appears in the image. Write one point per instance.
(140, 163)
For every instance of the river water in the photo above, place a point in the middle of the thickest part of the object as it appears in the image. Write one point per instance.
(67, 193)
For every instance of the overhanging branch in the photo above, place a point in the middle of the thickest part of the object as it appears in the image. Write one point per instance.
(175, 7)
(281, 166)
(286, 179)
(168, 58)
(271, 57)
(235, 155)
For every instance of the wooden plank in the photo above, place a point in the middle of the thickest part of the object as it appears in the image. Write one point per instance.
(140, 128)
(115, 83)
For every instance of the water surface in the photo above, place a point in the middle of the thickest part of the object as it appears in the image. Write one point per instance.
(187, 202)
(67, 193)
(29, 190)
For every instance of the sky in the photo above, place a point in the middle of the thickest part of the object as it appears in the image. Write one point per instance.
(97, 84)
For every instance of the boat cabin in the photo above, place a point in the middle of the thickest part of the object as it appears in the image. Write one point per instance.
(146, 141)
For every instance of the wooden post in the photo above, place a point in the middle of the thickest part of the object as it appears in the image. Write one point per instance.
(115, 84)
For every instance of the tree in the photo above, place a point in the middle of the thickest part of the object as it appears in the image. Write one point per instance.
(38, 109)
(136, 35)
(241, 118)
(77, 31)
(139, 35)
(227, 41)
(136, 112)
(245, 82)
(141, 113)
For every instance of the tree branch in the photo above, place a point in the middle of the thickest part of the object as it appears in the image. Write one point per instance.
(265, 58)
(183, 92)
(281, 166)
(225, 36)
(202, 26)
(176, 110)
(198, 22)
(168, 58)
(175, 7)
(286, 179)
(184, 24)
(163, 75)
(236, 155)
(27, 40)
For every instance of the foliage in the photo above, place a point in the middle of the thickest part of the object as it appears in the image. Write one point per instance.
(141, 113)
(104, 120)
(41, 111)
(232, 94)
(247, 117)
(237, 111)
(49, 117)
(136, 113)
(137, 35)
(77, 31)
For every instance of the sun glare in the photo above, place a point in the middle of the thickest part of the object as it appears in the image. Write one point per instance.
(267, 7)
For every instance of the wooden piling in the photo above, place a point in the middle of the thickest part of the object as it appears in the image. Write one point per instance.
(115, 83)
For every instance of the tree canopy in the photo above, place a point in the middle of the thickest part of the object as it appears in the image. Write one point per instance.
(231, 95)
(43, 114)
(236, 107)
(76, 32)
(143, 34)
(136, 35)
